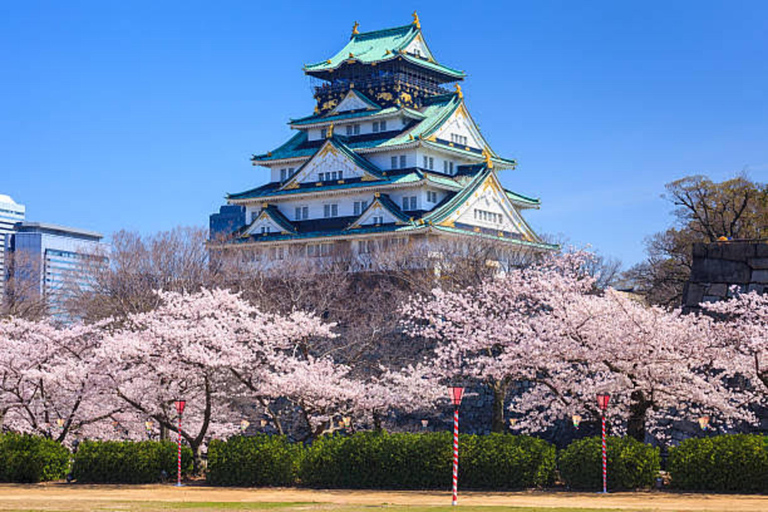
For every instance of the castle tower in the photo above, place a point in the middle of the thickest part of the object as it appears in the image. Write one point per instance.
(391, 152)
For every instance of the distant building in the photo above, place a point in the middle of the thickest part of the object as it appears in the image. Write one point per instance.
(390, 154)
(10, 213)
(53, 260)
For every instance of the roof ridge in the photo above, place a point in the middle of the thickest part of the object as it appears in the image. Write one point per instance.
(383, 31)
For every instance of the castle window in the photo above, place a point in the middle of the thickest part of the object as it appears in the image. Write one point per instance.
(431, 196)
(402, 161)
(409, 203)
(254, 216)
(429, 162)
(360, 207)
(283, 174)
(378, 219)
(264, 230)
(330, 210)
(459, 139)
(447, 167)
(394, 162)
(375, 127)
(353, 129)
(302, 212)
(383, 126)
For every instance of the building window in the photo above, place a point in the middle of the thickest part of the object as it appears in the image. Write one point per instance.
(302, 213)
(254, 216)
(394, 162)
(366, 246)
(431, 196)
(360, 206)
(378, 219)
(320, 134)
(382, 126)
(283, 173)
(486, 216)
(375, 127)
(353, 129)
(277, 253)
(264, 230)
(402, 161)
(349, 129)
(330, 210)
(429, 162)
(319, 250)
(447, 167)
(459, 139)
(409, 203)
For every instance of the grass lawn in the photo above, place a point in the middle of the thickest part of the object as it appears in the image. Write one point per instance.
(60, 497)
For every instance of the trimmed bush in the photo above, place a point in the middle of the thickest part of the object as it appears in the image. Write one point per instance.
(631, 464)
(503, 461)
(378, 460)
(728, 463)
(129, 462)
(31, 459)
(254, 461)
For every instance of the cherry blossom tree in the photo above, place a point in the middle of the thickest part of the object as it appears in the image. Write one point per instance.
(547, 328)
(50, 383)
(743, 328)
(200, 347)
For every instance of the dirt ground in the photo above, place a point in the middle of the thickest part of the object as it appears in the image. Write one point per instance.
(65, 497)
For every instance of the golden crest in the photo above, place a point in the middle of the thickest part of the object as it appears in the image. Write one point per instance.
(405, 97)
(384, 96)
(328, 105)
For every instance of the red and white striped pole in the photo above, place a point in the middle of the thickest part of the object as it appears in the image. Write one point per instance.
(456, 394)
(605, 460)
(602, 402)
(179, 409)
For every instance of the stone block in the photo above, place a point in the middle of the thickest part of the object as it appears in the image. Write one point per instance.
(699, 250)
(693, 294)
(754, 287)
(761, 250)
(718, 289)
(760, 276)
(720, 271)
(715, 250)
(711, 298)
(758, 263)
(738, 251)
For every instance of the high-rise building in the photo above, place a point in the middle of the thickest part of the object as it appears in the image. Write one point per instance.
(390, 154)
(51, 261)
(10, 213)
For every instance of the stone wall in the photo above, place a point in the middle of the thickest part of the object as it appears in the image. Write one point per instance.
(720, 265)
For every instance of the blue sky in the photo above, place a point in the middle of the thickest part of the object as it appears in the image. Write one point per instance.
(142, 115)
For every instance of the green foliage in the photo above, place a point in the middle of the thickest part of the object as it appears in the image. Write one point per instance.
(631, 464)
(371, 460)
(254, 461)
(730, 463)
(30, 459)
(503, 461)
(129, 462)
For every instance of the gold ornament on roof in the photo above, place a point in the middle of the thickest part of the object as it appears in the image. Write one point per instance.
(459, 92)
(355, 31)
(488, 161)
(351, 55)
(416, 20)
(377, 194)
(329, 131)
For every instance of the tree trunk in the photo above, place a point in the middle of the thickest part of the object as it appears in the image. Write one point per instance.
(638, 408)
(499, 389)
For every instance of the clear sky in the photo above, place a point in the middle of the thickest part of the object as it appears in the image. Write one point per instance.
(142, 115)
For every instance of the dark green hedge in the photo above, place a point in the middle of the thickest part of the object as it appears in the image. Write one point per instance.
(254, 461)
(378, 460)
(128, 462)
(631, 464)
(30, 459)
(728, 463)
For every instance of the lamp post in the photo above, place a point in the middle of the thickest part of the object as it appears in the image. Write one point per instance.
(456, 394)
(602, 403)
(180, 404)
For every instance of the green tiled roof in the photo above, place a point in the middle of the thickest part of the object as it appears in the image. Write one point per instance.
(316, 119)
(381, 46)
(520, 198)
